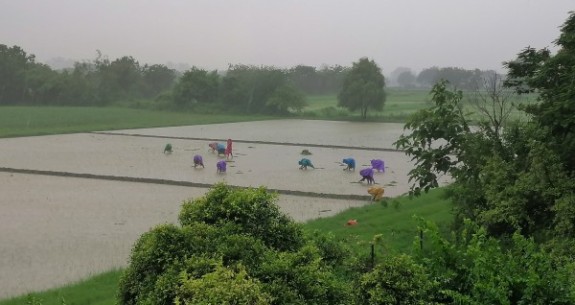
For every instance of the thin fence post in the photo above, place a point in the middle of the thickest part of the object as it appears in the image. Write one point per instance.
(420, 239)
(372, 256)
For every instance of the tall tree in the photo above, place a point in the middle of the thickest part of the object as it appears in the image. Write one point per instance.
(553, 78)
(286, 98)
(305, 78)
(428, 77)
(406, 79)
(157, 78)
(250, 88)
(494, 103)
(13, 65)
(196, 86)
(363, 88)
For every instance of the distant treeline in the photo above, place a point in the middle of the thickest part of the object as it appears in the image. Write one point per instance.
(460, 78)
(241, 88)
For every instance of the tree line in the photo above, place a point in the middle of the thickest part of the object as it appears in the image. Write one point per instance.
(240, 88)
(458, 77)
(104, 82)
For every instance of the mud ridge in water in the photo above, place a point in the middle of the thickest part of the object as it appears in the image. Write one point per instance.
(174, 182)
(249, 141)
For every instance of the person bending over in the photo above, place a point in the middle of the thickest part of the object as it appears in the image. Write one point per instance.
(221, 166)
(367, 175)
(168, 149)
(350, 162)
(198, 161)
(305, 163)
(378, 165)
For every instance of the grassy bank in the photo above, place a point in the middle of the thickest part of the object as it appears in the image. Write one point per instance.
(394, 221)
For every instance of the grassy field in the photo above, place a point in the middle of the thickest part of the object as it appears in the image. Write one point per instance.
(400, 103)
(16, 121)
(19, 121)
(394, 221)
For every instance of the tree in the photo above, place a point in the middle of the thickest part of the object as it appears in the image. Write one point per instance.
(437, 139)
(304, 78)
(249, 88)
(392, 79)
(14, 62)
(196, 86)
(331, 78)
(474, 268)
(494, 103)
(363, 88)
(552, 77)
(406, 79)
(285, 98)
(44, 85)
(428, 77)
(157, 78)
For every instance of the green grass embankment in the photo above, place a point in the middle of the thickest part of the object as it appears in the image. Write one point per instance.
(393, 218)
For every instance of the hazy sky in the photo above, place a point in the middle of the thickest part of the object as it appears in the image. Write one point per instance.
(211, 34)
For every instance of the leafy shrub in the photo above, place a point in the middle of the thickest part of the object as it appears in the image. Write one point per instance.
(234, 246)
(477, 269)
(253, 211)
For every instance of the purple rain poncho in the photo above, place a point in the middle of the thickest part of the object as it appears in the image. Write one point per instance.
(378, 165)
(221, 166)
(198, 160)
(366, 172)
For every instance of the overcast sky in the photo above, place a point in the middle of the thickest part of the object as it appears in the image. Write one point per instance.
(211, 34)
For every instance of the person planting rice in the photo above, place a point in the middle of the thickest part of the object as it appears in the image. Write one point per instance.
(198, 161)
(378, 165)
(217, 147)
(229, 149)
(350, 162)
(367, 174)
(304, 163)
(376, 192)
(221, 166)
(168, 149)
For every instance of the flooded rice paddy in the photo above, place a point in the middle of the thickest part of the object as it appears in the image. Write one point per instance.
(73, 205)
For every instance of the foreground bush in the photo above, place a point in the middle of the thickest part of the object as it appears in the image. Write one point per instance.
(233, 246)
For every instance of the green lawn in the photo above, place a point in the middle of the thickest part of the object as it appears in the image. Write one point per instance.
(395, 222)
